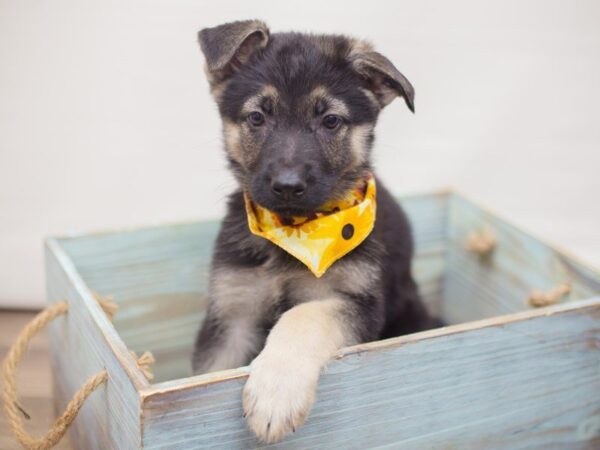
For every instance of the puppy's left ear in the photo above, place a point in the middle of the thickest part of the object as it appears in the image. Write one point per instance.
(382, 78)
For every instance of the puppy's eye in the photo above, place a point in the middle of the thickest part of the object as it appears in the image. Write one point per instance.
(331, 122)
(256, 118)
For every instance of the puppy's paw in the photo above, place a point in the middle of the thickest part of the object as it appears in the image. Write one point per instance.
(278, 395)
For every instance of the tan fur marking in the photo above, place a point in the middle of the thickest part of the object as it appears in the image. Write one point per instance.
(270, 91)
(232, 139)
(318, 92)
(359, 136)
(218, 89)
(240, 299)
(334, 105)
(209, 75)
(337, 106)
(354, 276)
(240, 342)
(358, 46)
(254, 103)
(216, 86)
(283, 379)
(245, 292)
(371, 97)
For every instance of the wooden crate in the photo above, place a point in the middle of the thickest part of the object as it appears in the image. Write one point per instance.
(502, 375)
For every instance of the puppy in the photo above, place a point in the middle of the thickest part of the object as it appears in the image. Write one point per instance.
(298, 114)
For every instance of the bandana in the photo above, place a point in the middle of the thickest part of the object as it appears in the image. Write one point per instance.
(327, 235)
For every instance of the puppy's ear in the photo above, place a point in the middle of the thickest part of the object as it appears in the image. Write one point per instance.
(381, 77)
(229, 46)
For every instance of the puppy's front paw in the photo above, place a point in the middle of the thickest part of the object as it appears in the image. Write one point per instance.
(278, 396)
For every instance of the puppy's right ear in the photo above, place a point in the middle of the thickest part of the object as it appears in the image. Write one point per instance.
(229, 46)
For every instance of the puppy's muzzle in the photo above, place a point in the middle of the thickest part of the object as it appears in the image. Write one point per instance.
(288, 184)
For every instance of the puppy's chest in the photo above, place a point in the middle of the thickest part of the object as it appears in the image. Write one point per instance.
(259, 291)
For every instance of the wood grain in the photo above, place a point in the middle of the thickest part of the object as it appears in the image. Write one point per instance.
(83, 343)
(478, 287)
(528, 383)
(530, 379)
(158, 276)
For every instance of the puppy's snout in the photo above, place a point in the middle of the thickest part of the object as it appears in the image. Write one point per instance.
(288, 184)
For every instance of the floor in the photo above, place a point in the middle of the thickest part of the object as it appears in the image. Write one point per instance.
(34, 381)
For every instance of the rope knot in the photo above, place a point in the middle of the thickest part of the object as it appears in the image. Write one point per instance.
(481, 243)
(107, 303)
(144, 362)
(538, 298)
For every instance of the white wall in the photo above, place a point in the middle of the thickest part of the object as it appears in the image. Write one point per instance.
(105, 118)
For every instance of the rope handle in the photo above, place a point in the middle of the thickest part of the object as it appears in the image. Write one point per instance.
(14, 410)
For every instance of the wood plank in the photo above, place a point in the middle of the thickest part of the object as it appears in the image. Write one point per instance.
(529, 382)
(83, 343)
(144, 262)
(428, 215)
(166, 325)
(158, 276)
(476, 287)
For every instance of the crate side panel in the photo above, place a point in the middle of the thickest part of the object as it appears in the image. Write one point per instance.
(428, 218)
(166, 325)
(527, 384)
(158, 276)
(146, 262)
(476, 287)
(109, 418)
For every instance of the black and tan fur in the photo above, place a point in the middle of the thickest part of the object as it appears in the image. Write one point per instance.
(277, 94)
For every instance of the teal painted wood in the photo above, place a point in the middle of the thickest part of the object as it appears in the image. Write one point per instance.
(83, 343)
(528, 380)
(158, 277)
(429, 221)
(475, 288)
(145, 262)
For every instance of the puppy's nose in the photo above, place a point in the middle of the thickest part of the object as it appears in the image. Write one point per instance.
(288, 184)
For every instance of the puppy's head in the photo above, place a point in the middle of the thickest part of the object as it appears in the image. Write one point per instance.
(298, 110)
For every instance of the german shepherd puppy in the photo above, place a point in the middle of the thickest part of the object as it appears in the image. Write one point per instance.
(299, 113)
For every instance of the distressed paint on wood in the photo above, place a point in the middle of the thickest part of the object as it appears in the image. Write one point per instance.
(159, 275)
(521, 383)
(500, 284)
(83, 342)
(527, 380)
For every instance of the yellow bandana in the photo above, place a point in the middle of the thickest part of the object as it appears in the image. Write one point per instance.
(320, 240)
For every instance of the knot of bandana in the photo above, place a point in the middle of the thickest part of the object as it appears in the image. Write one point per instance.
(327, 235)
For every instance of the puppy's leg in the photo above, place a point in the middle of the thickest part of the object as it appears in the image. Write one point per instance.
(283, 378)
(232, 335)
(225, 344)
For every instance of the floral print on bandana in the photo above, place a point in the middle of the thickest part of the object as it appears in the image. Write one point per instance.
(319, 241)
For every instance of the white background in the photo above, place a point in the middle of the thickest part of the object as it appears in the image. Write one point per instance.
(106, 121)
